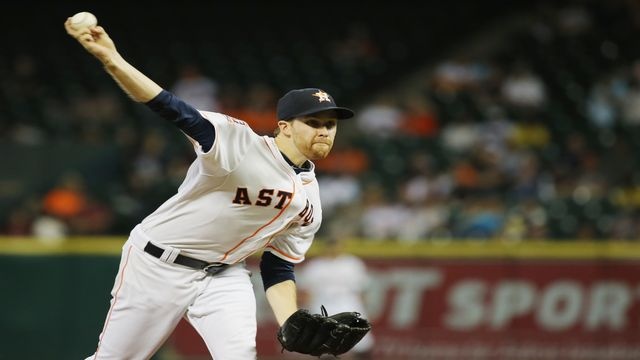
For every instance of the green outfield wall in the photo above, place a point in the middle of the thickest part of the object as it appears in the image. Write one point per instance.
(53, 297)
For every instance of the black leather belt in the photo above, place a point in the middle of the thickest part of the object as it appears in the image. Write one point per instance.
(211, 268)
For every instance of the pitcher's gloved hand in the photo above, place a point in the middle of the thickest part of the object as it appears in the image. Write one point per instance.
(318, 334)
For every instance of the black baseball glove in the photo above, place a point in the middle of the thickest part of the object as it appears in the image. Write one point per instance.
(319, 334)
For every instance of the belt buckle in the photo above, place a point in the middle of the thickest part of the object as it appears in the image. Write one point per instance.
(214, 268)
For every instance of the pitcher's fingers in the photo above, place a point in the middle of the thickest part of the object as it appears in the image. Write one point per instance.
(68, 27)
(75, 32)
(86, 38)
(98, 30)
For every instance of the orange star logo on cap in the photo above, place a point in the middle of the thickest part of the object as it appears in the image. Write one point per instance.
(322, 96)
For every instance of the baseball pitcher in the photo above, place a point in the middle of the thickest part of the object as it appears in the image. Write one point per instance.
(243, 194)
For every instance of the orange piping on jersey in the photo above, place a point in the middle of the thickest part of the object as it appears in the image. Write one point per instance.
(265, 245)
(284, 254)
(258, 230)
(115, 300)
(276, 234)
(270, 221)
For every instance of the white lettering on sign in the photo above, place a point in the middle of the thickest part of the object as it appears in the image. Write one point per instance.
(409, 286)
(466, 300)
(610, 301)
(399, 294)
(560, 305)
(557, 306)
(511, 299)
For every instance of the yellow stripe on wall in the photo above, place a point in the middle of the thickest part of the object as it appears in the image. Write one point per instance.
(454, 249)
(470, 249)
(71, 246)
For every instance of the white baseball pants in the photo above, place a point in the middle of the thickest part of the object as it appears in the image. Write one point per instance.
(149, 297)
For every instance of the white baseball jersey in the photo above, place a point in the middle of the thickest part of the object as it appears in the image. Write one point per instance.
(338, 283)
(335, 282)
(238, 198)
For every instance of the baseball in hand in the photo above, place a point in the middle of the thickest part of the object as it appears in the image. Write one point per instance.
(83, 19)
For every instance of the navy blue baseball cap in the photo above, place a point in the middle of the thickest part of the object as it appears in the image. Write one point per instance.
(309, 101)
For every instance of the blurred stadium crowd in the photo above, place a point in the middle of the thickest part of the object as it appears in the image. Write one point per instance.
(524, 126)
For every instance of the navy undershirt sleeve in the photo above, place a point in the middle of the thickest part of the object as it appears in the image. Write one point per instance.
(275, 270)
(185, 116)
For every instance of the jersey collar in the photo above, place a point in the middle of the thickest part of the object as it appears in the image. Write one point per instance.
(306, 166)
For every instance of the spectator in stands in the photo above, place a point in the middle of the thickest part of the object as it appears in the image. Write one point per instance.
(67, 198)
(381, 118)
(482, 217)
(527, 220)
(460, 73)
(524, 89)
(530, 133)
(338, 190)
(94, 116)
(196, 88)
(631, 105)
(419, 118)
(49, 229)
(69, 209)
(573, 19)
(526, 178)
(381, 218)
(460, 134)
(600, 107)
(345, 159)
(258, 108)
(20, 219)
(149, 163)
(357, 47)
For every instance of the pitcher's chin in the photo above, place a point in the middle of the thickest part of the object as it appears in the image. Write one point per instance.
(319, 154)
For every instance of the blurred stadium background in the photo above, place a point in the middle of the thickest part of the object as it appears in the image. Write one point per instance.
(490, 178)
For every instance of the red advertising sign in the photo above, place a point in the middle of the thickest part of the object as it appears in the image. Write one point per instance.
(524, 309)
